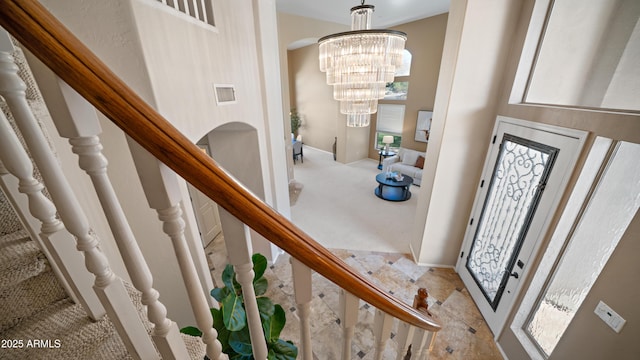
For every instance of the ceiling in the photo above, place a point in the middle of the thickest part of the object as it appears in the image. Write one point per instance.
(387, 13)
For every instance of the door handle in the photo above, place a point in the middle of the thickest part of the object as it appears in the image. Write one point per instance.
(515, 275)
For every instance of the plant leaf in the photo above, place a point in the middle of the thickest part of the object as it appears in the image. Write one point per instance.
(283, 350)
(275, 324)
(236, 285)
(223, 333)
(271, 355)
(220, 293)
(259, 266)
(266, 307)
(191, 330)
(241, 357)
(228, 275)
(240, 342)
(233, 313)
(260, 286)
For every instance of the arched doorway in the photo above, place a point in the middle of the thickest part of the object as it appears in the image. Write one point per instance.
(235, 147)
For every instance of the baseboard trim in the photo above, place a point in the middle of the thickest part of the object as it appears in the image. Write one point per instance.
(414, 257)
(501, 351)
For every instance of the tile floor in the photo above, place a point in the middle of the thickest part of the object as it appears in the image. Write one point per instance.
(465, 335)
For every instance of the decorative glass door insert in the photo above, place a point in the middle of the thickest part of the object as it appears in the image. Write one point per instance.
(519, 178)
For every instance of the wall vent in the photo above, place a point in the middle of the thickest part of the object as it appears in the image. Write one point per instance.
(225, 94)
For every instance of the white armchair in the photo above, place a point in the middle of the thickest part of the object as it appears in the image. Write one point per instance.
(407, 162)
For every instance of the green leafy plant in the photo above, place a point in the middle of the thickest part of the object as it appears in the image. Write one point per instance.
(231, 319)
(296, 122)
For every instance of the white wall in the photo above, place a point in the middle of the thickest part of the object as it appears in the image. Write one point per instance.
(494, 32)
(172, 63)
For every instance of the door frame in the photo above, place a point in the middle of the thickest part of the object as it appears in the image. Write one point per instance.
(194, 195)
(577, 139)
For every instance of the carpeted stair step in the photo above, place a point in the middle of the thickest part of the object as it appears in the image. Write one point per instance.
(20, 259)
(28, 297)
(69, 334)
(35, 309)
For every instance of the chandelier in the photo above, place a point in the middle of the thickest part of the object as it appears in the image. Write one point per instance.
(359, 63)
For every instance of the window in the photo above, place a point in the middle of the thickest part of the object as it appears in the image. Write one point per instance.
(601, 207)
(405, 68)
(389, 122)
(581, 54)
(198, 9)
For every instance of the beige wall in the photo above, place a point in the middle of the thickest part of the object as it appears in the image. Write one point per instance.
(425, 41)
(313, 98)
(295, 29)
(481, 54)
(588, 337)
(310, 94)
(469, 84)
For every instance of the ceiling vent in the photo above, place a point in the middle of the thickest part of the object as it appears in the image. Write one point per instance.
(225, 94)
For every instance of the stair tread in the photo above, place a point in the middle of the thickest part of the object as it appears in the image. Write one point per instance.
(78, 337)
(28, 297)
(20, 259)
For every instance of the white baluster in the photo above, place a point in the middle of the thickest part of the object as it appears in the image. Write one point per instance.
(173, 225)
(82, 129)
(244, 276)
(420, 346)
(109, 288)
(349, 305)
(54, 240)
(432, 343)
(403, 338)
(201, 10)
(382, 323)
(161, 189)
(303, 291)
(20, 204)
(237, 237)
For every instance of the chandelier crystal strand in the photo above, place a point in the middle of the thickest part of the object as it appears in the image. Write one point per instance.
(359, 63)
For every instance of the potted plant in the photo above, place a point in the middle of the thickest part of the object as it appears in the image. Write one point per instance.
(296, 122)
(231, 321)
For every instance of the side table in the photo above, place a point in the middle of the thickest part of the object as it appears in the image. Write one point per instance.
(384, 154)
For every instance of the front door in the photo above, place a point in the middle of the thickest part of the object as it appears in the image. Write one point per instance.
(524, 175)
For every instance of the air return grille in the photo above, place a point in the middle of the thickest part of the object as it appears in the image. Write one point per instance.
(225, 94)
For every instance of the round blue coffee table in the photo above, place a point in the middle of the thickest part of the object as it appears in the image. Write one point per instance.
(393, 190)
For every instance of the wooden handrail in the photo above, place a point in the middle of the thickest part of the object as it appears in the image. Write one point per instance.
(50, 41)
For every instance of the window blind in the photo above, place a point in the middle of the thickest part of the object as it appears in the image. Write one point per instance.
(390, 118)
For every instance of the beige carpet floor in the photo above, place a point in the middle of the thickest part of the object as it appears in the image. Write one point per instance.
(335, 204)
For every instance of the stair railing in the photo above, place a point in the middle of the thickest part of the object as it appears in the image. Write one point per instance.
(49, 40)
(110, 289)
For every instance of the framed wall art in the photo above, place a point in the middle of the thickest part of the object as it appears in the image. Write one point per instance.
(423, 125)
